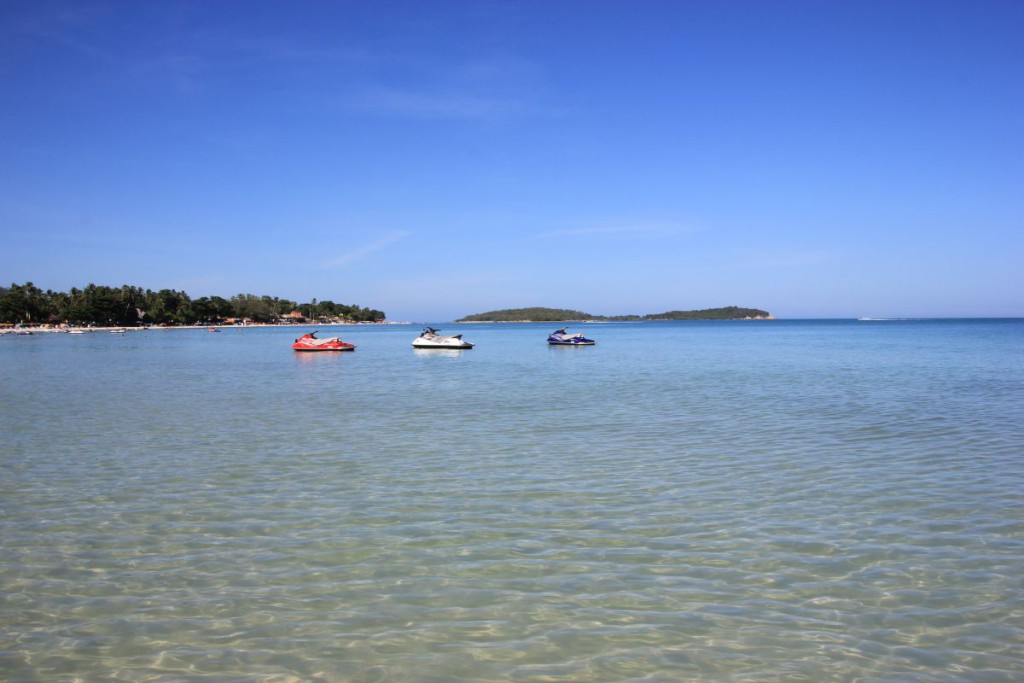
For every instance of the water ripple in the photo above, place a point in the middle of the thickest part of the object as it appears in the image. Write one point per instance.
(816, 503)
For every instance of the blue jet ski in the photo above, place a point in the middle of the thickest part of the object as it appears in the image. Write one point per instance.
(563, 338)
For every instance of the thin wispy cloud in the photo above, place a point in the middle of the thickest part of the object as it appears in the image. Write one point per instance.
(195, 58)
(425, 104)
(626, 230)
(200, 61)
(498, 88)
(783, 258)
(365, 250)
(61, 25)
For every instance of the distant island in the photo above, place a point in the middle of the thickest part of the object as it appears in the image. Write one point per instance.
(541, 314)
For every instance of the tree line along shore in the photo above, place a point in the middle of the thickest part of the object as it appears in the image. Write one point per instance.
(130, 306)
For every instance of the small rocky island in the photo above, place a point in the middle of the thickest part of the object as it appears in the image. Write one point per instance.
(561, 315)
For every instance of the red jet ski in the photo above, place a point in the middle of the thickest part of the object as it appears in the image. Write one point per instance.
(309, 342)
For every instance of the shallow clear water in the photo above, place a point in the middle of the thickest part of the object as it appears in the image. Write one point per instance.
(732, 501)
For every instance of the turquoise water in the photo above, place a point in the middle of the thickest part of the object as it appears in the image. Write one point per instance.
(730, 501)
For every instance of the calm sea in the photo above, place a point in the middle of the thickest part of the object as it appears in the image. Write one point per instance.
(728, 501)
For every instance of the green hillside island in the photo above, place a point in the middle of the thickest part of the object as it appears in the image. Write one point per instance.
(561, 315)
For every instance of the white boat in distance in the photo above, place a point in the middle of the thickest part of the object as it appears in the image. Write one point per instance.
(430, 339)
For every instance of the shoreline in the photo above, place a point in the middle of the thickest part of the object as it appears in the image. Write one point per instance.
(50, 329)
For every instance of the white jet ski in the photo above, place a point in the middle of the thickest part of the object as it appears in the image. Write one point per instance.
(430, 339)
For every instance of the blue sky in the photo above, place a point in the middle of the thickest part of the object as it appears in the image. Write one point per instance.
(438, 158)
